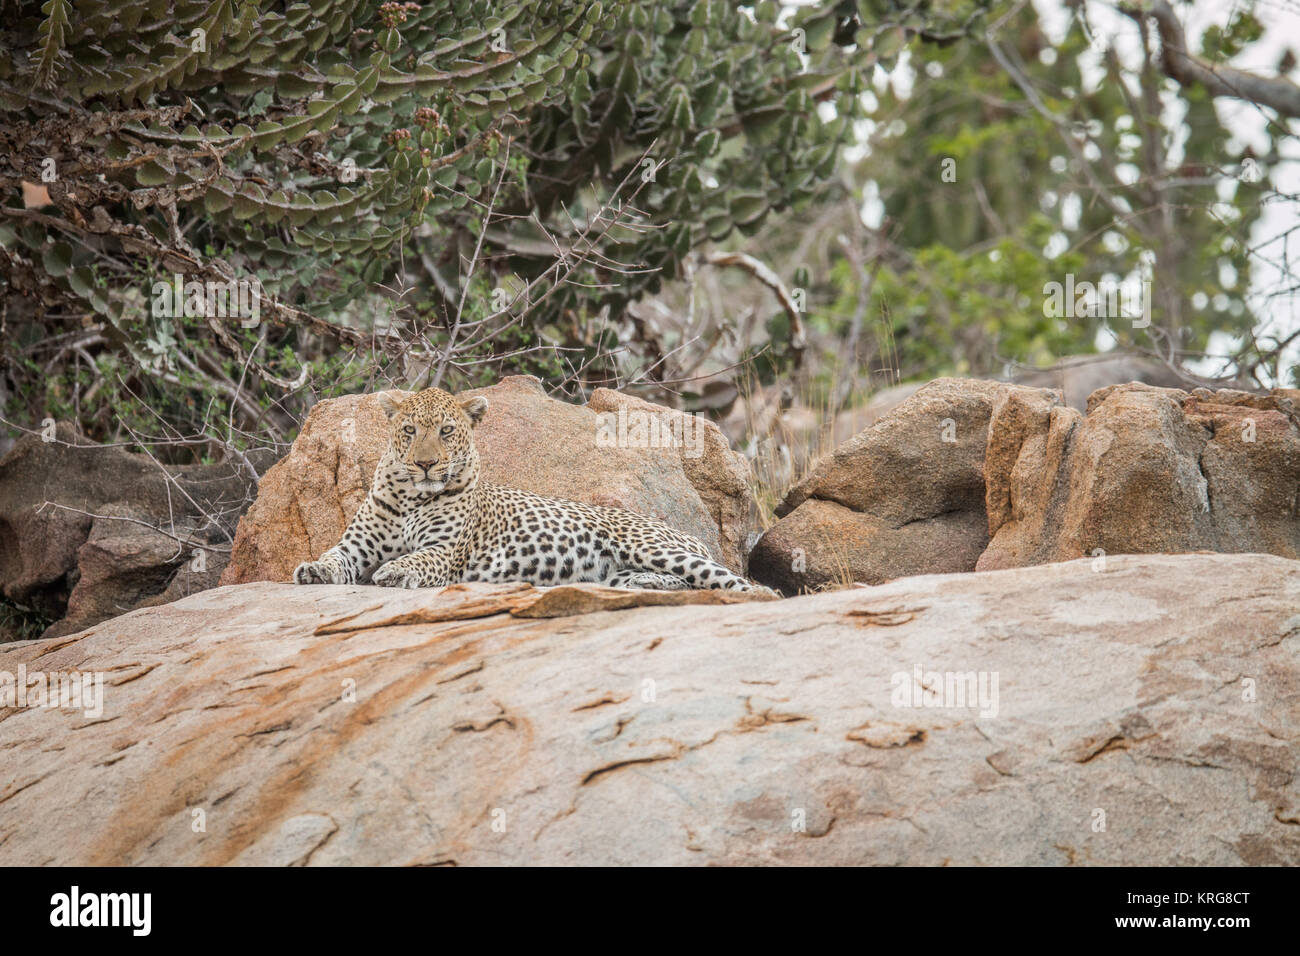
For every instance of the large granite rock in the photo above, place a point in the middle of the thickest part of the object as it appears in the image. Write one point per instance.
(905, 496)
(683, 473)
(972, 475)
(784, 434)
(1148, 469)
(88, 532)
(1146, 712)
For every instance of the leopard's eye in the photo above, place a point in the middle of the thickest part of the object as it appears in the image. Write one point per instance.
(447, 430)
(409, 429)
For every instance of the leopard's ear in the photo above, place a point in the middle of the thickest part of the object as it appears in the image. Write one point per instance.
(390, 405)
(475, 408)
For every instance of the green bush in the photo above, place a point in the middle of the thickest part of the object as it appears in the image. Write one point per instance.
(381, 170)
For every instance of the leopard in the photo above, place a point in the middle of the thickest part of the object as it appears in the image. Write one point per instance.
(431, 520)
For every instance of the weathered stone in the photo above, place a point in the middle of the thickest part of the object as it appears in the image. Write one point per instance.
(824, 544)
(1147, 470)
(357, 725)
(89, 531)
(306, 499)
(924, 458)
(777, 427)
(905, 496)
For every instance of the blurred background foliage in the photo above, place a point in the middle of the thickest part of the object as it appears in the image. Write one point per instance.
(1089, 184)
(697, 201)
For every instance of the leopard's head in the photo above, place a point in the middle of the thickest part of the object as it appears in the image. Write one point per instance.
(430, 440)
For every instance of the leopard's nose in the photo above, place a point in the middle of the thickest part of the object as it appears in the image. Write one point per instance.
(426, 465)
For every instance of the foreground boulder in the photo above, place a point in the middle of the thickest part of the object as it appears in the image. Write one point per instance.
(88, 532)
(1142, 714)
(679, 469)
(905, 496)
(1148, 469)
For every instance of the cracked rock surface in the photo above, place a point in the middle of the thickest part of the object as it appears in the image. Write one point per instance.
(1146, 713)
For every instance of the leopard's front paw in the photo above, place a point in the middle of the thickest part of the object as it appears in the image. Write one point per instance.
(317, 572)
(397, 574)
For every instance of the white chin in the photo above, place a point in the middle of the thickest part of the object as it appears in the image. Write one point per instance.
(429, 487)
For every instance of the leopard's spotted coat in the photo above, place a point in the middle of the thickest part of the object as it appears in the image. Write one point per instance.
(430, 521)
